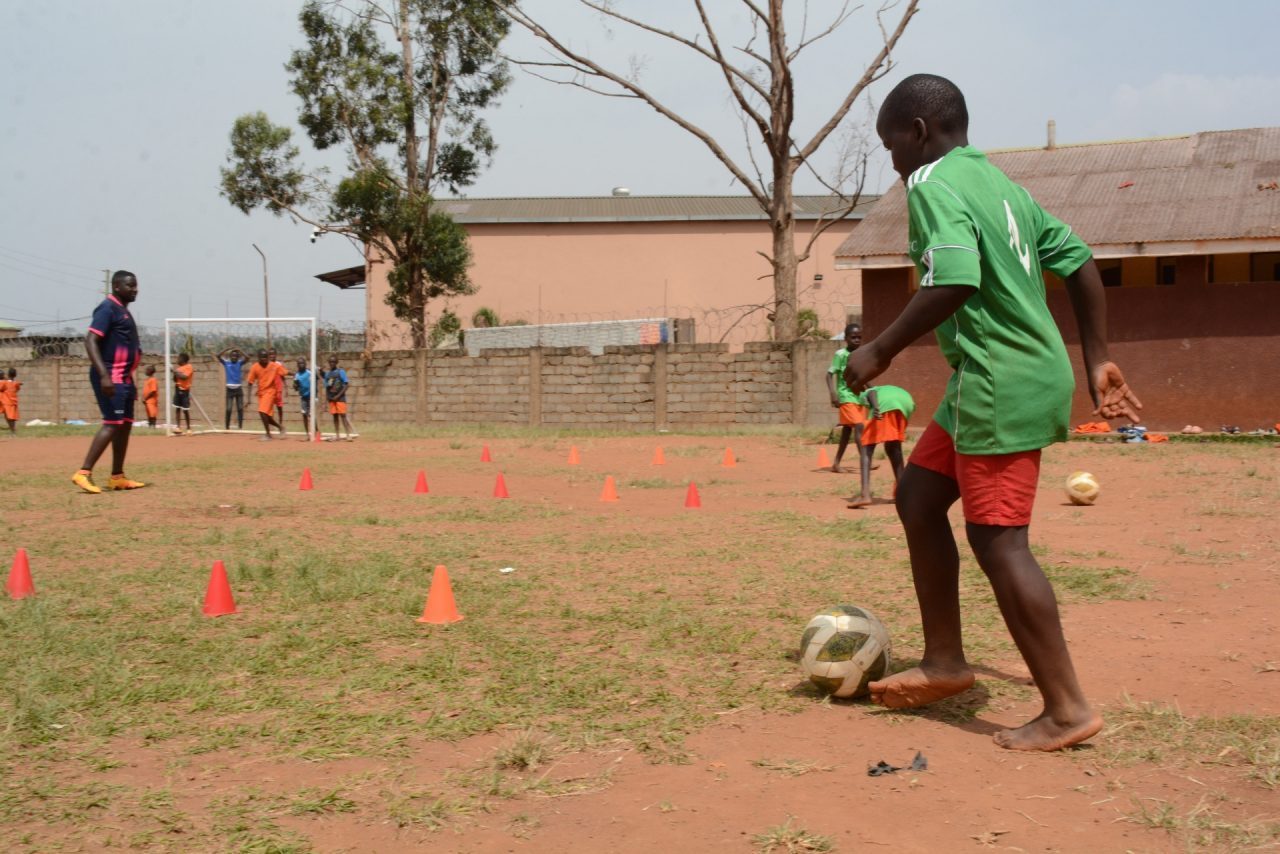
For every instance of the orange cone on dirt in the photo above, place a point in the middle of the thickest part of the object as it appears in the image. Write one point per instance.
(20, 585)
(823, 462)
(500, 487)
(420, 488)
(484, 455)
(610, 492)
(305, 483)
(729, 461)
(217, 597)
(316, 437)
(574, 459)
(691, 498)
(658, 458)
(440, 608)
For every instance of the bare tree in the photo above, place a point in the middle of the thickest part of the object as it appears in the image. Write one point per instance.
(758, 75)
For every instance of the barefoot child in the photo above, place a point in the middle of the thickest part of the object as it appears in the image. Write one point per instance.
(9, 400)
(302, 385)
(264, 374)
(852, 415)
(151, 395)
(182, 391)
(979, 243)
(336, 391)
(891, 408)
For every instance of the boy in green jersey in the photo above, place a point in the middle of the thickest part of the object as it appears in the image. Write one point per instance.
(852, 413)
(979, 242)
(890, 409)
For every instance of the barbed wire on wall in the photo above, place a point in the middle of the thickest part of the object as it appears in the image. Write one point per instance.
(330, 338)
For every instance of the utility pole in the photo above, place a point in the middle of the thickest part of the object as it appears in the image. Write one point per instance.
(106, 282)
(266, 294)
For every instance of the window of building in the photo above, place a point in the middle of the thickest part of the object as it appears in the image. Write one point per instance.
(1109, 269)
(1166, 271)
(1265, 267)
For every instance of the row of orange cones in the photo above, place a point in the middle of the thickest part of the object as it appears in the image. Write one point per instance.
(610, 492)
(218, 601)
(659, 458)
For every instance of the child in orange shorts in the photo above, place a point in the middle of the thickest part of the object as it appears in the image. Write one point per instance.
(852, 413)
(891, 409)
(335, 387)
(151, 395)
(9, 399)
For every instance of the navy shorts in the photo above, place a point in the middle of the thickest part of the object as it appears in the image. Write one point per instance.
(118, 408)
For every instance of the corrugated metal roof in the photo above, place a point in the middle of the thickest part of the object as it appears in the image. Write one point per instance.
(1189, 188)
(633, 208)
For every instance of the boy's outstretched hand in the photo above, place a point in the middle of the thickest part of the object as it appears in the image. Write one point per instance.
(1111, 394)
(865, 364)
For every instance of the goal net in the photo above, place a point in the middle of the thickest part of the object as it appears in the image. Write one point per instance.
(214, 404)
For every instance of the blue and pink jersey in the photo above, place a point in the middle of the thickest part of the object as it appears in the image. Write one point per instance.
(118, 339)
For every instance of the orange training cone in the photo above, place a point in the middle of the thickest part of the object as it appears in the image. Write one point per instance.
(440, 608)
(20, 585)
(574, 459)
(823, 462)
(691, 498)
(658, 458)
(500, 487)
(729, 461)
(305, 483)
(610, 492)
(217, 597)
(420, 488)
(484, 455)
(317, 437)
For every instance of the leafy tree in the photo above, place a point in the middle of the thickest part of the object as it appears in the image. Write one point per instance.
(808, 325)
(485, 318)
(448, 326)
(399, 86)
(759, 76)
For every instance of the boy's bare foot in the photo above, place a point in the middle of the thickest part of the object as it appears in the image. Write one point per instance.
(1044, 733)
(919, 686)
(835, 469)
(858, 503)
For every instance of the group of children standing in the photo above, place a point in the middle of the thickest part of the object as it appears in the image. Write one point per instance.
(268, 374)
(877, 416)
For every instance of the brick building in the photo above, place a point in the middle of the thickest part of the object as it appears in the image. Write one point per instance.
(1186, 233)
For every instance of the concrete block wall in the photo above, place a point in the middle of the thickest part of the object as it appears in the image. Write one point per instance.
(625, 387)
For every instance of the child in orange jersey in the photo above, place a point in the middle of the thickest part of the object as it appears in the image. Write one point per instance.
(264, 374)
(182, 391)
(9, 399)
(151, 395)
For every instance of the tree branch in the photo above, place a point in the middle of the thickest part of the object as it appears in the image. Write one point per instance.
(879, 67)
(726, 68)
(845, 13)
(589, 67)
(717, 57)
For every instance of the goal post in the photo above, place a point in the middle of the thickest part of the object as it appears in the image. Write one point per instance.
(207, 336)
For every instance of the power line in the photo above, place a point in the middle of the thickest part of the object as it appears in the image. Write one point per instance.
(7, 255)
(50, 279)
(50, 260)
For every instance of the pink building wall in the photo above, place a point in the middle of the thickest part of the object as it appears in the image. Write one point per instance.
(573, 272)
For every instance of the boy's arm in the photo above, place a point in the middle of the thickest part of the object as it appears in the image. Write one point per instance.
(1111, 394)
(926, 311)
(831, 389)
(874, 402)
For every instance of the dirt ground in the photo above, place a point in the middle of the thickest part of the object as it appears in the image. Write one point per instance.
(1194, 523)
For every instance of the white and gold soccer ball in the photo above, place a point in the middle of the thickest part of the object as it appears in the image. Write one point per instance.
(1082, 487)
(843, 649)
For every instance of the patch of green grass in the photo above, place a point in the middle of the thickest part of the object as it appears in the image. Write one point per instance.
(653, 483)
(524, 752)
(1091, 583)
(1148, 732)
(320, 802)
(789, 838)
(1203, 827)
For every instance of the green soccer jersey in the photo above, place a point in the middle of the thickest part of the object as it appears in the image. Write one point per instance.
(970, 225)
(891, 398)
(843, 394)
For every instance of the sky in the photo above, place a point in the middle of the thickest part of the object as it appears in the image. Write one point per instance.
(115, 119)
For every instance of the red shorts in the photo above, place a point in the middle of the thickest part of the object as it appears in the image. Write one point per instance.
(889, 427)
(337, 407)
(996, 489)
(851, 415)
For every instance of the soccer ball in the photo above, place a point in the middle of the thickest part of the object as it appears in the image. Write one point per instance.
(1082, 488)
(843, 649)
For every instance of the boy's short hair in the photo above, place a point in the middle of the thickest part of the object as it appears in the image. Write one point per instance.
(851, 328)
(927, 96)
(182, 356)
